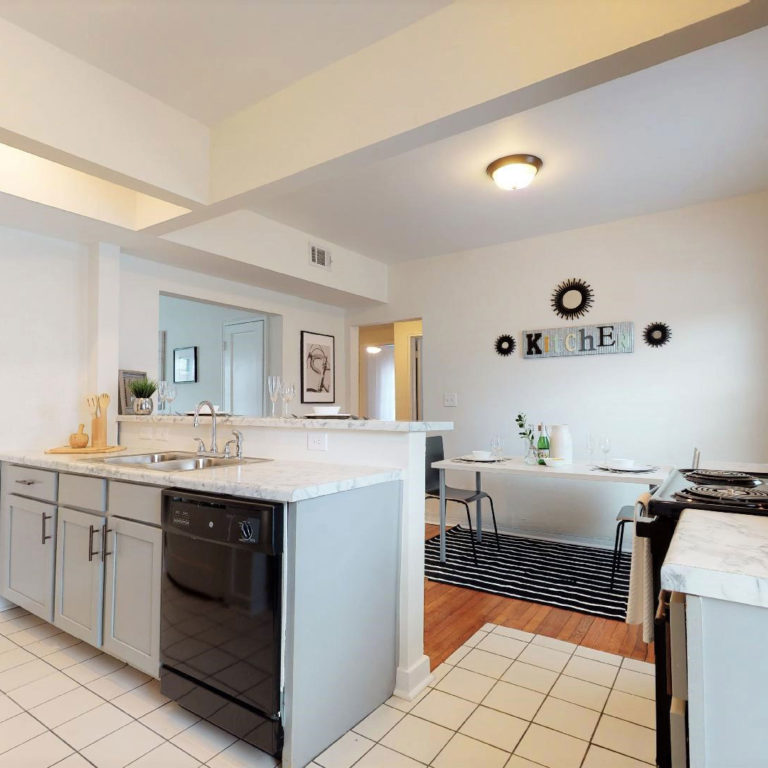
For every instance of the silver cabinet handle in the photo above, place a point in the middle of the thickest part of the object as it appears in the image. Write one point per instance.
(27, 482)
(104, 554)
(43, 537)
(91, 553)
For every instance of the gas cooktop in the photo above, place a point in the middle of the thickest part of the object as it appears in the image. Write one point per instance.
(719, 490)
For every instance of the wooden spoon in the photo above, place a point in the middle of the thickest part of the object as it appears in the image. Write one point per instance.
(103, 403)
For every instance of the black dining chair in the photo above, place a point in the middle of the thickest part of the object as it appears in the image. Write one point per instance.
(626, 515)
(435, 452)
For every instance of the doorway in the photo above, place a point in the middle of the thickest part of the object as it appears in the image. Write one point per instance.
(390, 371)
(243, 373)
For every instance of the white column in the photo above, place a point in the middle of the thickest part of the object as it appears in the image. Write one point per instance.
(413, 673)
(104, 327)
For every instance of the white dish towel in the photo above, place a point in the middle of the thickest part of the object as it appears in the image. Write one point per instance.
(640, 607)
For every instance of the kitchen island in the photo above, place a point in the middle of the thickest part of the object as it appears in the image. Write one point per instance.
(348, 442)
(81, 548)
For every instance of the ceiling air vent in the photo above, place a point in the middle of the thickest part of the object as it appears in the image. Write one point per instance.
(319, 256)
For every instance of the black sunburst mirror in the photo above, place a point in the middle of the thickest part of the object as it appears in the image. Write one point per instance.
(657, 334)
(572, 298)
(505, 345)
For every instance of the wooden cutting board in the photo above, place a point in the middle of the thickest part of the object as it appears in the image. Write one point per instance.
(90, 449)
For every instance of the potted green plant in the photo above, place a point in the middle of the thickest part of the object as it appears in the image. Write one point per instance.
(142, 391)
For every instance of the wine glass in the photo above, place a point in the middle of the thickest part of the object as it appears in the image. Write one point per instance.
(287, 391)
(605, 447)
(170, 394)
(497, 446)
(162, 389)
(274, 391)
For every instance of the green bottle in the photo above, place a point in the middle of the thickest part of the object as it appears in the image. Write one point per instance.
(542, 446)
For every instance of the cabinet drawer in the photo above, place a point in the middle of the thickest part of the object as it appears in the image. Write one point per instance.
(83, 492)
(29, 481)
(135, 502)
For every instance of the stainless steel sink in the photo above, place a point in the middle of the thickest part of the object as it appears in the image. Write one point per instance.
(178, 461)
(150, 458)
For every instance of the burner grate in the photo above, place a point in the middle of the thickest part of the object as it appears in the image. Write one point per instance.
(720, 477)
(757, 497)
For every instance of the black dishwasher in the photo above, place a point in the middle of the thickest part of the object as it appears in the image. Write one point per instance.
(221, 630)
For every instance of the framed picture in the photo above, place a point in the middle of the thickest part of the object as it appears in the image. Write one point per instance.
(318, 368)
(185, 365)
(125, 398)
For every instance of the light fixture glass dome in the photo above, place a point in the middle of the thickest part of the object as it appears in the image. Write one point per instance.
(373, 350)
(514, 171)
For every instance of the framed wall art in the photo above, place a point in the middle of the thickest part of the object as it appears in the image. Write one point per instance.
(318, 368)
(125, 398)
(185, 365)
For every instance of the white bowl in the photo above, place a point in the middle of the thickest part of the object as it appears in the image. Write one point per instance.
(482, 455)
(326, 410)
(621, 463)
(554, 461)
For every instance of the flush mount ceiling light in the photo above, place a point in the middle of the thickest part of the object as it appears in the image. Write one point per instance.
(373, 350)
(514, 171)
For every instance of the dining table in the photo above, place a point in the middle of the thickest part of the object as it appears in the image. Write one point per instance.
(516, 467)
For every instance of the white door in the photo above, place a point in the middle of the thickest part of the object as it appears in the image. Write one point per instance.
(28, 530)
(132, 594)
(244, 367)
(79, 574)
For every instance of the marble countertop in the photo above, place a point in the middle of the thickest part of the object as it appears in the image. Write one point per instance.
(277, 480)
(369, 425)
(720, 555)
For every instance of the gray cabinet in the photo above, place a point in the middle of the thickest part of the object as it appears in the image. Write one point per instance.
(79, 574)
(27, 535)
(132, 593)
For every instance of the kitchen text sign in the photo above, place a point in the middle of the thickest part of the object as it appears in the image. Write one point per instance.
(605, 339)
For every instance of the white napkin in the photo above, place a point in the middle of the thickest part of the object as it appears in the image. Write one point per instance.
(640, 607)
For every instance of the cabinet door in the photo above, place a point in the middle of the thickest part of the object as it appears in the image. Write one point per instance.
(79, 575)
(132, 600)
(28, 530)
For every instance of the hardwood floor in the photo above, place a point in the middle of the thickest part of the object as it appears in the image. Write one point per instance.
(453, 614)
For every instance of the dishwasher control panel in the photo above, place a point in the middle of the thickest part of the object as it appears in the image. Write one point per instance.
(224, 520)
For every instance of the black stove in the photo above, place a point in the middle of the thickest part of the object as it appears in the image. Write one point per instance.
(718, 490)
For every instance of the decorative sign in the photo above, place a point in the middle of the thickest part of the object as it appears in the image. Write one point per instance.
(605, 339)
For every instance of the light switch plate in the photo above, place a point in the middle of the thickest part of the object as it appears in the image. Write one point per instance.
(450, 399)
(317, 441)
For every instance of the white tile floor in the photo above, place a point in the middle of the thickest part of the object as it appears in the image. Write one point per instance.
(506, 699)
(509, 699)
(64, 703)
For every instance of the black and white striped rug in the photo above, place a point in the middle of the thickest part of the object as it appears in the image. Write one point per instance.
(571, 576)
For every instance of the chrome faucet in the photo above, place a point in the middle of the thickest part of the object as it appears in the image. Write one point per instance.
(237, 441)
(214, 449)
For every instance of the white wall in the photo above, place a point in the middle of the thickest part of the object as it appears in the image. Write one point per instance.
(141, 283)
(43, 339)
(703, 270)
(197, 324)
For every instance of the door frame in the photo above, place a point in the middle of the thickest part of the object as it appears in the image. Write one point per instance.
(226, 383)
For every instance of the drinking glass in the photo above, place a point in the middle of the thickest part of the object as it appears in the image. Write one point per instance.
(605, 447)
(162, 389)
(287, 391)
(170, 394)
(497, 446)
(274, 392)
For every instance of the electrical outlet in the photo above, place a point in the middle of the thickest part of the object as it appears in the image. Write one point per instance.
(450, 399)
(317, 441)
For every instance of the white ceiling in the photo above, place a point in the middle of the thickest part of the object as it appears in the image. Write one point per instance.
(688, 130)
(210, 58)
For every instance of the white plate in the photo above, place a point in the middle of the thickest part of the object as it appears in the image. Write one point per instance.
(470, 457)
(636, 468)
